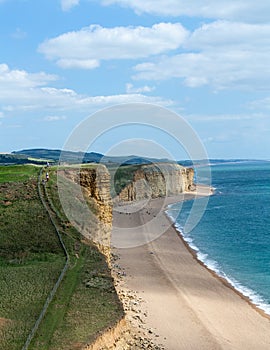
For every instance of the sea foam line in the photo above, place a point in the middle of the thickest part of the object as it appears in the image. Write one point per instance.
(213, 265)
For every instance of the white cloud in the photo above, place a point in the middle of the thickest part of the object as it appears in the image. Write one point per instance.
(68, 4)
(220, 70)
(124, 98)
(200, 118)
(53, 118)
(230, 35)
(14, 126)
(215, 57)
(23, 91)
(244, 10)
(77, 63)
(88, 46)
(261, 104)
(131, 89)
(21, 78)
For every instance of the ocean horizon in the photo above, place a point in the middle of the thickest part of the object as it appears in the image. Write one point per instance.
(233, 237)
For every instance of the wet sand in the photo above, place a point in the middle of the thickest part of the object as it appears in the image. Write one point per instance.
(186, 305)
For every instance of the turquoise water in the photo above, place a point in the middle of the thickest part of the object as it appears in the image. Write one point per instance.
(233, 237)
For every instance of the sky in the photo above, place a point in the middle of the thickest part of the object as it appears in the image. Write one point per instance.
(61, 61)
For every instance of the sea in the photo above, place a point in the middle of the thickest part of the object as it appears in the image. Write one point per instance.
(233, 236)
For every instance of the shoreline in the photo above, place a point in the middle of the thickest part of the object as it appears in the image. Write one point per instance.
(194, 253)
(175, 285)
(215, 274)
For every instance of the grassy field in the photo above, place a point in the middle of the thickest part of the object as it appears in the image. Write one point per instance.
(30, 255)
(18, 173)
(31, 260)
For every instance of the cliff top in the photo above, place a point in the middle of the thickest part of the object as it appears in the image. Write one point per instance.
(161, 167)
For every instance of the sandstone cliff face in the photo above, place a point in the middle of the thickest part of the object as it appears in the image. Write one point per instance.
(158, 180)
(87, 203)
(85, 195)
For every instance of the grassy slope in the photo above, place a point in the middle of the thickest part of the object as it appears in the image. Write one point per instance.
(86, 301)
(30, 255)
(17, 173)
(30, 262)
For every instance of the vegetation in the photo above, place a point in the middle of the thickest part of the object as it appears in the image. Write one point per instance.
(30, 255)
(56, 155)
(9, 159)
(86, 302)
(17, 173)
(85, 157)
(121, 176)
(31, 260)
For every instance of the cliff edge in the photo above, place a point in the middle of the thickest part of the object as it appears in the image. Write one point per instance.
(158, 180)
(85, 195)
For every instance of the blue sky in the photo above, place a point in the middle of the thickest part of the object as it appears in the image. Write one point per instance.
(208, 61)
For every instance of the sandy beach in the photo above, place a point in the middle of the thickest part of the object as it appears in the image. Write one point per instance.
(184, 305)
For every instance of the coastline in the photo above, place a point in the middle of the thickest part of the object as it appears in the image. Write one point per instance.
(194, 253)
(175, 285)
(227, 283)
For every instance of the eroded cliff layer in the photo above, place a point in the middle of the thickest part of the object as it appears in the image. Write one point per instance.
(85, 196)
(86, 199)
(158, 180)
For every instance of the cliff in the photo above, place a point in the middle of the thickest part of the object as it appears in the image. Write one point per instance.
(85, 196)
(86, 199)
(158, 180)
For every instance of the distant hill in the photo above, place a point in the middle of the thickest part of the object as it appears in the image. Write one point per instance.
(80, 157)
(55, 154)
(9, 159)
(41, 155)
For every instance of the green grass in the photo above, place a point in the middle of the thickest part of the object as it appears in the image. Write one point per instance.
(18, 173)
(24, 289)
(25, 226)
(79, 311)
(31, 260)
(86, 302)
(121, 176)
(31, 257)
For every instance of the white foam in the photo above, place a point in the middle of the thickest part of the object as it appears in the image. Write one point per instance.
(213, 265)
(170, 216)
(255, 298)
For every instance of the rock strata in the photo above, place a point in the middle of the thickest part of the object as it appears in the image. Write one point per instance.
(85, 195)
(87, 202)
(158, 180)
